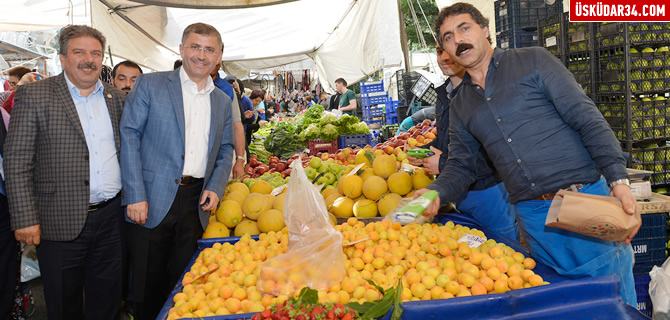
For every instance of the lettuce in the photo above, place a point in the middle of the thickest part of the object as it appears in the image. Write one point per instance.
(329, 133)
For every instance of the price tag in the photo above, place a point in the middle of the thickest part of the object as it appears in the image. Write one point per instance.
(276, 191)
(354, 170)
(471, 240)
(550, 42)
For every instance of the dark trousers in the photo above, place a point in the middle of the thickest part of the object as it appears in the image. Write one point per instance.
(9, 261)
(159, 256)
(91, 263)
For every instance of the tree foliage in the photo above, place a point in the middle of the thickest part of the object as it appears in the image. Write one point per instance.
(431, 11)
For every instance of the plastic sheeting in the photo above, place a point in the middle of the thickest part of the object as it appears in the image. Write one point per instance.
(348, 38)
(587, 299)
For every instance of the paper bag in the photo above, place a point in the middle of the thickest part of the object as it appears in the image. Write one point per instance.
(595, 216)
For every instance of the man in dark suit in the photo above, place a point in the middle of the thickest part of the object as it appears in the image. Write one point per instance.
(64, 180)
(176, 155)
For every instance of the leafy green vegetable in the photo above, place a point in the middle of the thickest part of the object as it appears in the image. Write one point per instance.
(329, 133)
(284, 141)
(327, 118)
(311, 133)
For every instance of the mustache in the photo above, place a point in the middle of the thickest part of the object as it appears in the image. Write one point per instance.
(125, 88)
(462, 47)
(87, 65)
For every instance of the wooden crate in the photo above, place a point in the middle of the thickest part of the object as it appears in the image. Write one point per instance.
(658, 203)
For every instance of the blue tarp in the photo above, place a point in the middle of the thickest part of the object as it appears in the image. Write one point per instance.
(587, 298)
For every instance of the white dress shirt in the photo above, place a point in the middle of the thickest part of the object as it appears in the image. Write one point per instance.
(197, 117)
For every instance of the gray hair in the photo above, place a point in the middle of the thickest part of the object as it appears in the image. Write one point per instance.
(76, 31)
(202, 29)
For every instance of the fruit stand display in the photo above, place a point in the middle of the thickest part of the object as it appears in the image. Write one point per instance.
(230, 281)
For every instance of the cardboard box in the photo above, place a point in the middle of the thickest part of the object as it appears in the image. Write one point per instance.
(595, 216)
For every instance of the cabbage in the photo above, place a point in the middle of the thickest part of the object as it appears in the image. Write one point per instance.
(361, 128)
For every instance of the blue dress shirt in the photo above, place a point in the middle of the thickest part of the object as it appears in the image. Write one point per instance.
(539, 129)
(105, 173)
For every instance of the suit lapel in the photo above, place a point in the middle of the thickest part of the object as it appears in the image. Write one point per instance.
(214, 122)
(113, 109)
(174, 84)
(62, 94)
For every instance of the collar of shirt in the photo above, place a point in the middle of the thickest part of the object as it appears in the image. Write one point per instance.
(74, 91)
(495, 61)
(187, 83)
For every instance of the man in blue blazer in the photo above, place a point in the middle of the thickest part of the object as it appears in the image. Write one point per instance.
(176, 155)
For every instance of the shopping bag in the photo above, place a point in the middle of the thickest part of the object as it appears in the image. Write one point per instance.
(30, 268)
(659, 291)
(596, 216)
(314, 257)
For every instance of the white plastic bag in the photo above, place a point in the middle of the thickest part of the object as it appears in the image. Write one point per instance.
(30, 268)
(659, 290)
(315, 257)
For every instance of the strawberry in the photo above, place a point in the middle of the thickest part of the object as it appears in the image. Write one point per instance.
(330, 314)
(256, 316)
(266, 314)
(346, 316)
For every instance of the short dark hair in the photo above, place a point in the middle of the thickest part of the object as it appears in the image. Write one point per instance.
(126, 63)
(18, 72)
(76, 31)
(257, 93)
(456, 9)
(341, 81)
(177, 64)
(322, 93)
(202, 29)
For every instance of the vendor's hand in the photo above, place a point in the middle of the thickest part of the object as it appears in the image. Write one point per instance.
(137, 212)
(29, 235)
(248, 114)
(431, 211)
(262, 123)
(238, 169)
(213, 200)
(432, 163)
(628, 202)
(415, 161)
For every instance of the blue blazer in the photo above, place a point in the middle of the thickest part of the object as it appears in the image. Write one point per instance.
(152, 144)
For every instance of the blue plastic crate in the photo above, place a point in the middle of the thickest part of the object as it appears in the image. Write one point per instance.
(392, 105)
(642, 284)
(653, 226)
(391, 118)
(649, 249)
(371, 112)
(370, 87)
(371, 99)
(646, 266)
(644, 305)
(354, 140)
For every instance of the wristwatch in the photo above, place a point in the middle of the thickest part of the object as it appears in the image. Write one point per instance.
(241, 158)
(618, 182)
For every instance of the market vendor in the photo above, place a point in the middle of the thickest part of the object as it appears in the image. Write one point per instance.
(542, 134)
(486, 200)
(348, 98)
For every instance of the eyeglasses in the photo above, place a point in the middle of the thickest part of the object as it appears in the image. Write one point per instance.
(207, 50)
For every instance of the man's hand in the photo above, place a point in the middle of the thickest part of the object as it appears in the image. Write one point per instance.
(248, 114)
(29, 235)
(431, 211)
(415, 161)
(137, 212)
(628, 202)
(238, 169)
(432, 163)
(213, 200)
